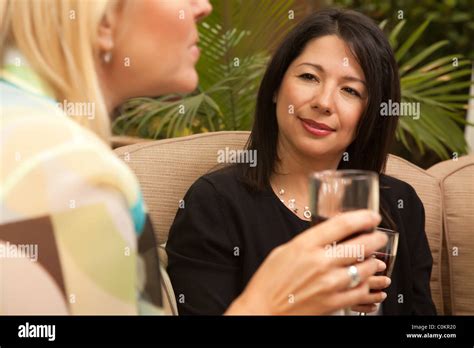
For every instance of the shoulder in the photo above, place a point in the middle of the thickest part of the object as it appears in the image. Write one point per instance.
(224, 181)
(47, 152)
(223, 187)
(36, 131)
(402, 200)
(394, 187)
(37, 124)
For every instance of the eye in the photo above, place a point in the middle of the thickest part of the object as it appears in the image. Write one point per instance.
(351, 91)
(308, 77)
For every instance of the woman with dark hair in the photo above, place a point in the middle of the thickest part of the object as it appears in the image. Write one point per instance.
(318, 108)
(65, 193)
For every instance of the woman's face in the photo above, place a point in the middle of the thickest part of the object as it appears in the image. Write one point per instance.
(154, 47)
(321, 99)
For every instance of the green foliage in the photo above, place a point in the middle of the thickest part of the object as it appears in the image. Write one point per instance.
(439, 86)
(451, 20)
(236, 41)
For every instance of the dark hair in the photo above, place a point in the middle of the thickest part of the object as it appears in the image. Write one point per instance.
(374, 134)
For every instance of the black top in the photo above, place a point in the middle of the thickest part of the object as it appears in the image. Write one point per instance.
(225, 231)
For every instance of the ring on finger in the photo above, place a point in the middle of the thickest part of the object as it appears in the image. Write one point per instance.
(353, 273)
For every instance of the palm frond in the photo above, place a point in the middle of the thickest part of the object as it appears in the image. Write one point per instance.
(236, 45)
(438, 87)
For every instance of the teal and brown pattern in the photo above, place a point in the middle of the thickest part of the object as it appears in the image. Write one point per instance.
(64, 194)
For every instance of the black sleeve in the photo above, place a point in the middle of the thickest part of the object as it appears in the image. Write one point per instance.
(201, 262)
(421, 261)
(147, 250)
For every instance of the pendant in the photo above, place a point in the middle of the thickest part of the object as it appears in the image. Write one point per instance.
(307, 213)
(291, 204)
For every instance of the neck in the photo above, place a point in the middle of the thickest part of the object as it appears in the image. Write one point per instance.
(111, 98)
(293, 169)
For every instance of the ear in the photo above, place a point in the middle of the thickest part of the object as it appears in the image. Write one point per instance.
(106, 31)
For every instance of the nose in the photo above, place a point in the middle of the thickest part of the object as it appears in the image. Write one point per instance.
(322, 101)
(201, 9)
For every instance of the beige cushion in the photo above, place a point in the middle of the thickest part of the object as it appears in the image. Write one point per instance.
(166, 169)
(457, 183)
(169, 299)
(427, 188)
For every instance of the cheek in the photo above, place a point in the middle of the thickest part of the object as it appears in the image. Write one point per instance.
(172, 42)
(349, 117)
(291, 97)
(157, 38)
(168, 28)
(285, 111)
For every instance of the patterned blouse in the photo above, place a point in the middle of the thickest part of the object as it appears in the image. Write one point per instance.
(75, 237)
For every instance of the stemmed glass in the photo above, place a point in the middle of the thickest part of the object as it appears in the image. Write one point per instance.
(387, 254)
(336, 191)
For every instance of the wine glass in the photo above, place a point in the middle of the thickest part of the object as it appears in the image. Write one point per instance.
(336, 191)
(388, 253)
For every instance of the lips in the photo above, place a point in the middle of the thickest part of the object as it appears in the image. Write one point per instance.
(195, 51)
(195, 40)
(316, 128)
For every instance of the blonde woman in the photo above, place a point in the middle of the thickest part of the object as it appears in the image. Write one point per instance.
(74, 234)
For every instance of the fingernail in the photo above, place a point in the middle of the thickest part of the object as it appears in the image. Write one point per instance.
(375, 216)
(388, 281)
(384, 295)
(381, 266)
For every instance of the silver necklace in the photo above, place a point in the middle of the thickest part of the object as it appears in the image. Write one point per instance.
(292, 205)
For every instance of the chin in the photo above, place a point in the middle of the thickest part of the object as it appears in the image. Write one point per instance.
(314, 149)
(188, 83)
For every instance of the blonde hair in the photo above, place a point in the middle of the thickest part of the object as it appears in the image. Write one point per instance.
(58, 39)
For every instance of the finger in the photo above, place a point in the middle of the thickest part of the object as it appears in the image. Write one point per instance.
(364, 269)
(379, 282)
(351, 297)
(357, 296)
(367, 242)
(373, 297)
(381, 265)
(365, 308)
(357, 249)
(341, 226)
